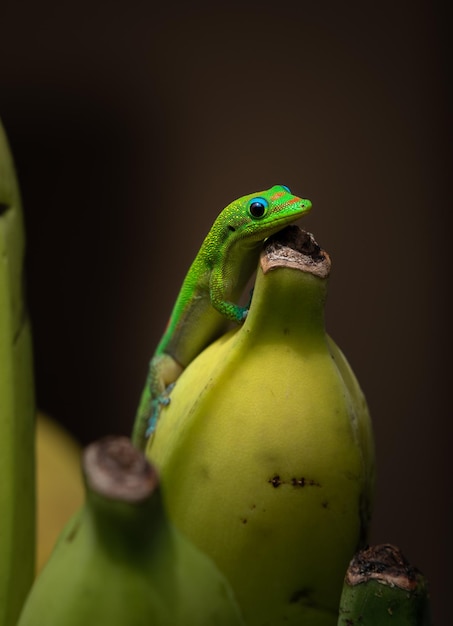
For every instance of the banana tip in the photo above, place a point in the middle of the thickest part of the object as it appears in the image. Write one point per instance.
(116, 469)
(295, 248)
(386, 564)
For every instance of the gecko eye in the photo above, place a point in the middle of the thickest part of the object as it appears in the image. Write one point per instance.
(286, 188)
(257, 207)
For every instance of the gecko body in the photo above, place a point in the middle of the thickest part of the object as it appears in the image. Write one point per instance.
(210, 291)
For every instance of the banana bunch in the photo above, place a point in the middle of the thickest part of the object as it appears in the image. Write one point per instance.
(381, 588)
(120, 562)
(266, 449)
(17, 405)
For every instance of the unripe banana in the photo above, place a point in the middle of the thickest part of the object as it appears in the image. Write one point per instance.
(59, 486)
(381, 588)
(266, 450)
(17, 405)
(120, 562)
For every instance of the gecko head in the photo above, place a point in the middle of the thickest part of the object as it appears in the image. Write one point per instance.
(259, 215)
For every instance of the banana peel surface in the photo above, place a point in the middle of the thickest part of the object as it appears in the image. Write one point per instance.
(266, 449)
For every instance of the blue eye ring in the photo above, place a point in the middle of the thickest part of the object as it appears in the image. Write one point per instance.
(257, 207)
(286, 188)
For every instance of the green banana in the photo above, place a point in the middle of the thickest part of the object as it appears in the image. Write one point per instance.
(17, 404)
(381, 588)
(266, 449)
(119, 561)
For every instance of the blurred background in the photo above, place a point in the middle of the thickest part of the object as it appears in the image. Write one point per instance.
(133, 124)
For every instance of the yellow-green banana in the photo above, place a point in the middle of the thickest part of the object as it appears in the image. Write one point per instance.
(120, 562)
(381, 588)
(17, 406)
(266, 449)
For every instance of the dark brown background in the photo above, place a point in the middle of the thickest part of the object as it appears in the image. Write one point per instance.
(132, 126)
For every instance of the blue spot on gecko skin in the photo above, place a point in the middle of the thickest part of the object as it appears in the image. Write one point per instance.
(152, 423)
(245, 310)
(165, 401)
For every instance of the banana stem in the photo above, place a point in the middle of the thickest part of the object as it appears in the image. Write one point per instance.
(291, 248)
(124, 498)
(381, 588)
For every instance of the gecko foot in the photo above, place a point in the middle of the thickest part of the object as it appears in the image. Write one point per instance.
(163, 400)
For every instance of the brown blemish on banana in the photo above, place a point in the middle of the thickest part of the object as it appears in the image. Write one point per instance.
(304, 482)
(302, 596)
(73, 532)
(296, 248)
(276, 481)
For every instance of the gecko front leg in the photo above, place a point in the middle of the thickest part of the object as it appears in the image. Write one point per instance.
(163, 372)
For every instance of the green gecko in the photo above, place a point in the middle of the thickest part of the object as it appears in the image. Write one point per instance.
(211, 288)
